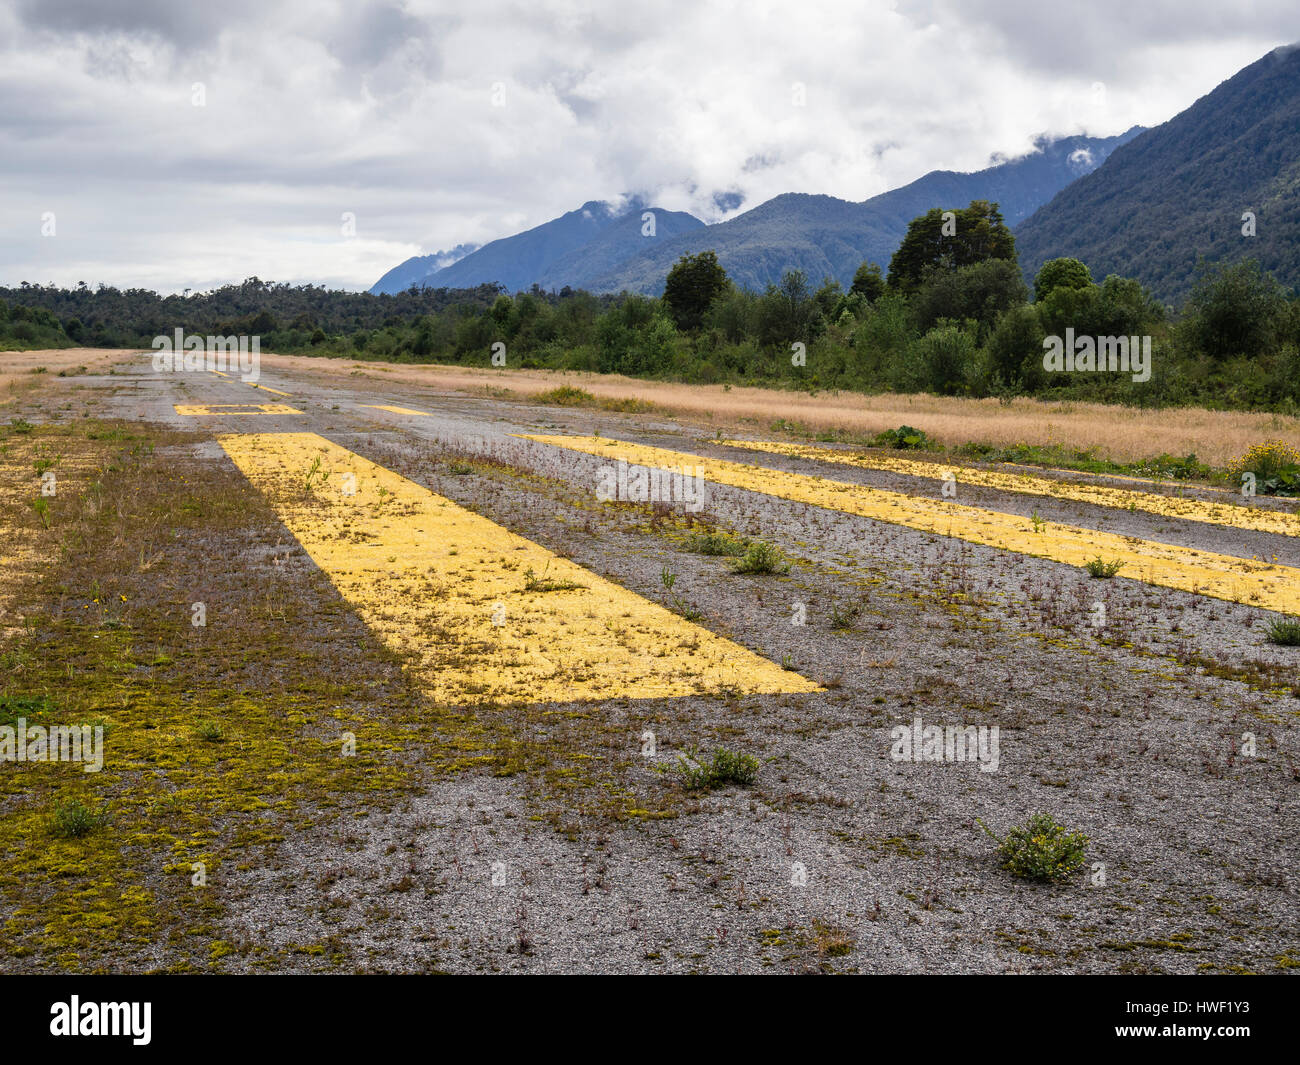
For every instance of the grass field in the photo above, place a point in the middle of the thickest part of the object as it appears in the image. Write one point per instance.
(1123, 434)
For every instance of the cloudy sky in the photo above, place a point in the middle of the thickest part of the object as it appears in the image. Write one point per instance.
(176, 144)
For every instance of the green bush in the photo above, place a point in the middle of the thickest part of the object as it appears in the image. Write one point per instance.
(727, 767)
(946, 358)
(904, 438)
(1285, 632)
(761, 557)
(717, 543)
(72, 820)
(1041, 849)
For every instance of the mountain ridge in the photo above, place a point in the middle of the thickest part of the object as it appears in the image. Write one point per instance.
(822, 235)
(1176, 193)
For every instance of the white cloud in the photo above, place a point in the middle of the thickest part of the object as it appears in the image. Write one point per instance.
(386, 110)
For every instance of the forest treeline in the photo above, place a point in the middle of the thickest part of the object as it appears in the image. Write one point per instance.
(953, 316)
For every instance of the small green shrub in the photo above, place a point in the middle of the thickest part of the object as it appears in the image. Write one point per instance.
(210, 731)
(566, 396)
(761, 557)
(72, 820)
(1285, 632)
(1099, 567)
(904, 438)
(717, 543)
(727, 767)
(1041, 849)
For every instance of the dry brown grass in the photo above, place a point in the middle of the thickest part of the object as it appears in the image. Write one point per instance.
(16, 367)
(1122, 434)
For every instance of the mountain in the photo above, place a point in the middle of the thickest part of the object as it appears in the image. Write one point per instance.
(602, 250)
(828, 237)
(418, 270)
(621, 240)
(518, 261)
(1178, 191)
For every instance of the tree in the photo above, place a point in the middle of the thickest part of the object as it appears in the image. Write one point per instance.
(1060, 273)
(869, 282)
(1015, 350)
(1119, 306)
(947, 240)
(945, 357)
(788, 312)
(1235, 310)
(693, 283)
(982, 291)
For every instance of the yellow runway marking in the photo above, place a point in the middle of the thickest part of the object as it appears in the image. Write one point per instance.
(398, 410)
(273, 391)
(447, 586)
(1112, 477)
(1206, 573)
(1260, 519)
(220, 409)
(219, 373)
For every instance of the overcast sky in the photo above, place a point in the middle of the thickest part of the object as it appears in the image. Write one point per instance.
(185, 145)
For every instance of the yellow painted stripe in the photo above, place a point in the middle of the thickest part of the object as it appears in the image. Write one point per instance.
(1221, 576)
(1112, 477)
(221, 409)
(397, 410)
(1260, 519)
(273, 391)
(219, 373)
(428, 576)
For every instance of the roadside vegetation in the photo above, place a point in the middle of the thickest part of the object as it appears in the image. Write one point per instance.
(952, 317)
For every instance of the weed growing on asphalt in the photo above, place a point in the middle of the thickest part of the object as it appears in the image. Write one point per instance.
(717, 543)
(727, 767)
(761, 557)
(1099, 567)
(540, 582)
(1040, 849)
(313, 472)
(1285, 632)
(74, 819)
(844, 615)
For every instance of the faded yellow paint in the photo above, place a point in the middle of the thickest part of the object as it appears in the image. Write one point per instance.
(1260, 519)
(264, 388)
(398, 410)
(1204, 572)
(428, 576)
(218, 410)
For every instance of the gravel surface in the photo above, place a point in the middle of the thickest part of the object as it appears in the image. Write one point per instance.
(839, 857)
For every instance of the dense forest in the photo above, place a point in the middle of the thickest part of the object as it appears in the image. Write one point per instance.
(953, 316)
